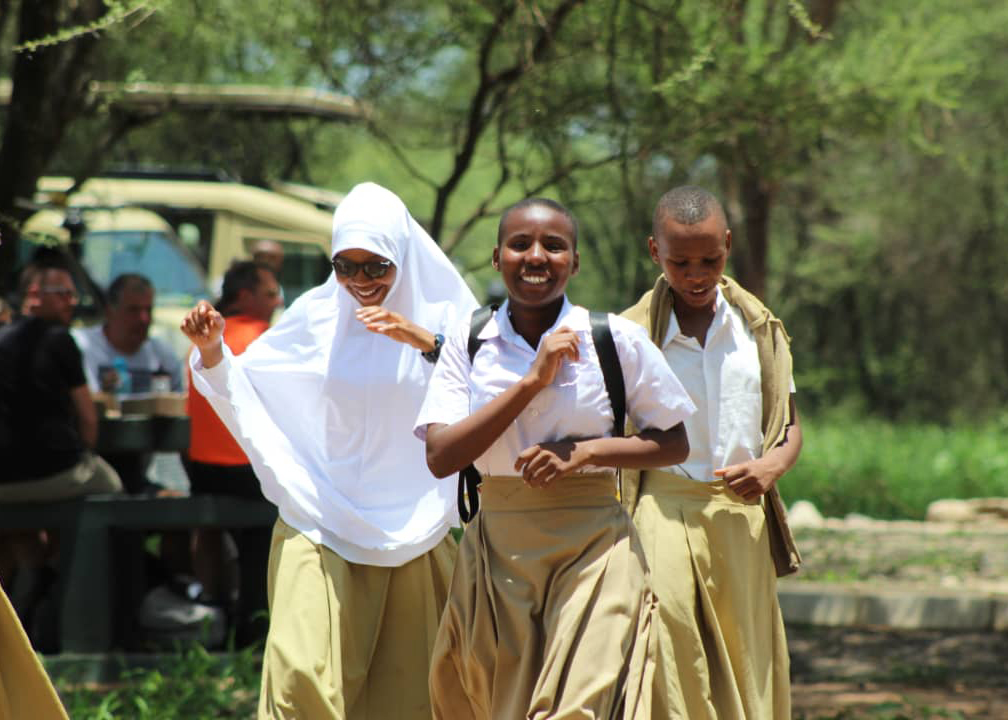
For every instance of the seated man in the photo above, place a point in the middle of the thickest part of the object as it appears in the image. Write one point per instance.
(48, 429)
(48, 421)
(120, 357)
(124, 336)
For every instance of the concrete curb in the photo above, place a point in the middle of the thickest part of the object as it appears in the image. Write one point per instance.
(832, 604)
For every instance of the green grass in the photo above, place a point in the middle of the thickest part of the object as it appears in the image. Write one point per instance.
(192, 684)
(883, 470)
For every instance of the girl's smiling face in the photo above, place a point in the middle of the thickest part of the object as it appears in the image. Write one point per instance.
(536, 255)
(365, 289)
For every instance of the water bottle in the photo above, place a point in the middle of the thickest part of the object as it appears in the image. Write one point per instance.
(161, 383)
(122, 370)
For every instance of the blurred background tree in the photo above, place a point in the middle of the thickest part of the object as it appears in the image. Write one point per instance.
(858, 146)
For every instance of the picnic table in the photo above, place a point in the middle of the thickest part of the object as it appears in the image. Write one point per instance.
(101, 578)
(133, 431)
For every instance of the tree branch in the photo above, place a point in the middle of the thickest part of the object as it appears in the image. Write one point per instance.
(490, 94)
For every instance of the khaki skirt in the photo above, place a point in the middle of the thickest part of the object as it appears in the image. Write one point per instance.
(349, 641)
(25, 690)
(722, 651)
(550, 609)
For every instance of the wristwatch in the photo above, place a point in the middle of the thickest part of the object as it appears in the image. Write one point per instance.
(431, 356)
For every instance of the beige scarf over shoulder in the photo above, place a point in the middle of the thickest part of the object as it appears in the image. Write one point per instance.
(652, 312)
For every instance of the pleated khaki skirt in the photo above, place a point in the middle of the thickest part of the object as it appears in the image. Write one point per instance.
(349, 641)
(550, 611)
(25, 689)
(722, 651)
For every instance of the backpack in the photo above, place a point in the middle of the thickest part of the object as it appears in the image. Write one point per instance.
(612, 373)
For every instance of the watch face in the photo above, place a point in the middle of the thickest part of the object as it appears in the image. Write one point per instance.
(432, 355)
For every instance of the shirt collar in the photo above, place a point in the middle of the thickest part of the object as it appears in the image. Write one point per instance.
(500, 323)
(720, 317)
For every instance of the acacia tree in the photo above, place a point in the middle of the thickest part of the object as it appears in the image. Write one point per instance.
(606, 103)
(61, 114)
(49, 90)
(452, 78)
(483, 103)
(766, 85)
(904, 244)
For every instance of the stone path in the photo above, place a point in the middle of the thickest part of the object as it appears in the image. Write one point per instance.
(900, 574)
(910, 620)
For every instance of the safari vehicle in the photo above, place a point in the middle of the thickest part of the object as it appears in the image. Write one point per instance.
(182, 231)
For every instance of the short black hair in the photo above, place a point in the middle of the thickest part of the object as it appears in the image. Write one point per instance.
(125, 282)
(39, 266)
(532, 202)
(242, 275)
(686, 205)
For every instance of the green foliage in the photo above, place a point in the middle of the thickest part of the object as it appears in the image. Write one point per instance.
(852, 464)
(194, 685)
(118, 11)
(865, 138)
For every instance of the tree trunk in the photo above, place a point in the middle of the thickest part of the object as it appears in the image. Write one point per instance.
(49, 90)
(747, 204)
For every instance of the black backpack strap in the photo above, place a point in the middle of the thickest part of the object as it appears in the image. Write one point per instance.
(480, 317)
(469, 479)
(468, 493)
(612, 371)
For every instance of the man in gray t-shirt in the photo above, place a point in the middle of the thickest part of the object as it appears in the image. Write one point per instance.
(120, 357)
(122, 341)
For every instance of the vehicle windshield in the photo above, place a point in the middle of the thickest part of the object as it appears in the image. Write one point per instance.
(303, 268)
(176, 276)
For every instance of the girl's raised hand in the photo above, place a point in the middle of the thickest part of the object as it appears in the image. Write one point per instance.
(204, 326)
(393, 325)
(553, 349)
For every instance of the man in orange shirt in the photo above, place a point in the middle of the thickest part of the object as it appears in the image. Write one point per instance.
(217, 466)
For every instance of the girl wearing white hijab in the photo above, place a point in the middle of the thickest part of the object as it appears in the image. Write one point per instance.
(323, 404)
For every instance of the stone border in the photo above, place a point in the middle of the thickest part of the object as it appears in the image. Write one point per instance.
(833, 604)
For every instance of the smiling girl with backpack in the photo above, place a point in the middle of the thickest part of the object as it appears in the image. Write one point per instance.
(550, 607)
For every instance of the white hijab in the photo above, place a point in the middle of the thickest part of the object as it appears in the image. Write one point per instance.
(325, 408)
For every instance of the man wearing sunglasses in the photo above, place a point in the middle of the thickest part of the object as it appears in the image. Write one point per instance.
(48, 429)
(48, 421)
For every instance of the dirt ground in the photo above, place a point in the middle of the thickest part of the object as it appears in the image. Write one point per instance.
(878, 673)
(886, 674)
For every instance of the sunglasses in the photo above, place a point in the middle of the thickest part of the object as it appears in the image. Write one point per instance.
(65, 293)
(374, 269)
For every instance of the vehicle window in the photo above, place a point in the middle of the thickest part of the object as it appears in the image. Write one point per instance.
(304, 267)
(174, 274)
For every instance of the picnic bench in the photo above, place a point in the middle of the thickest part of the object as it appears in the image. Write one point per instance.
(100, 575)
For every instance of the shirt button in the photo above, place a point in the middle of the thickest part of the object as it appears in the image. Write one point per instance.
(535, 413)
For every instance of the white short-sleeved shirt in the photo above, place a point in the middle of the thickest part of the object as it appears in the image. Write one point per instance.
(154, 357)
(723, 379)
(575, 405)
